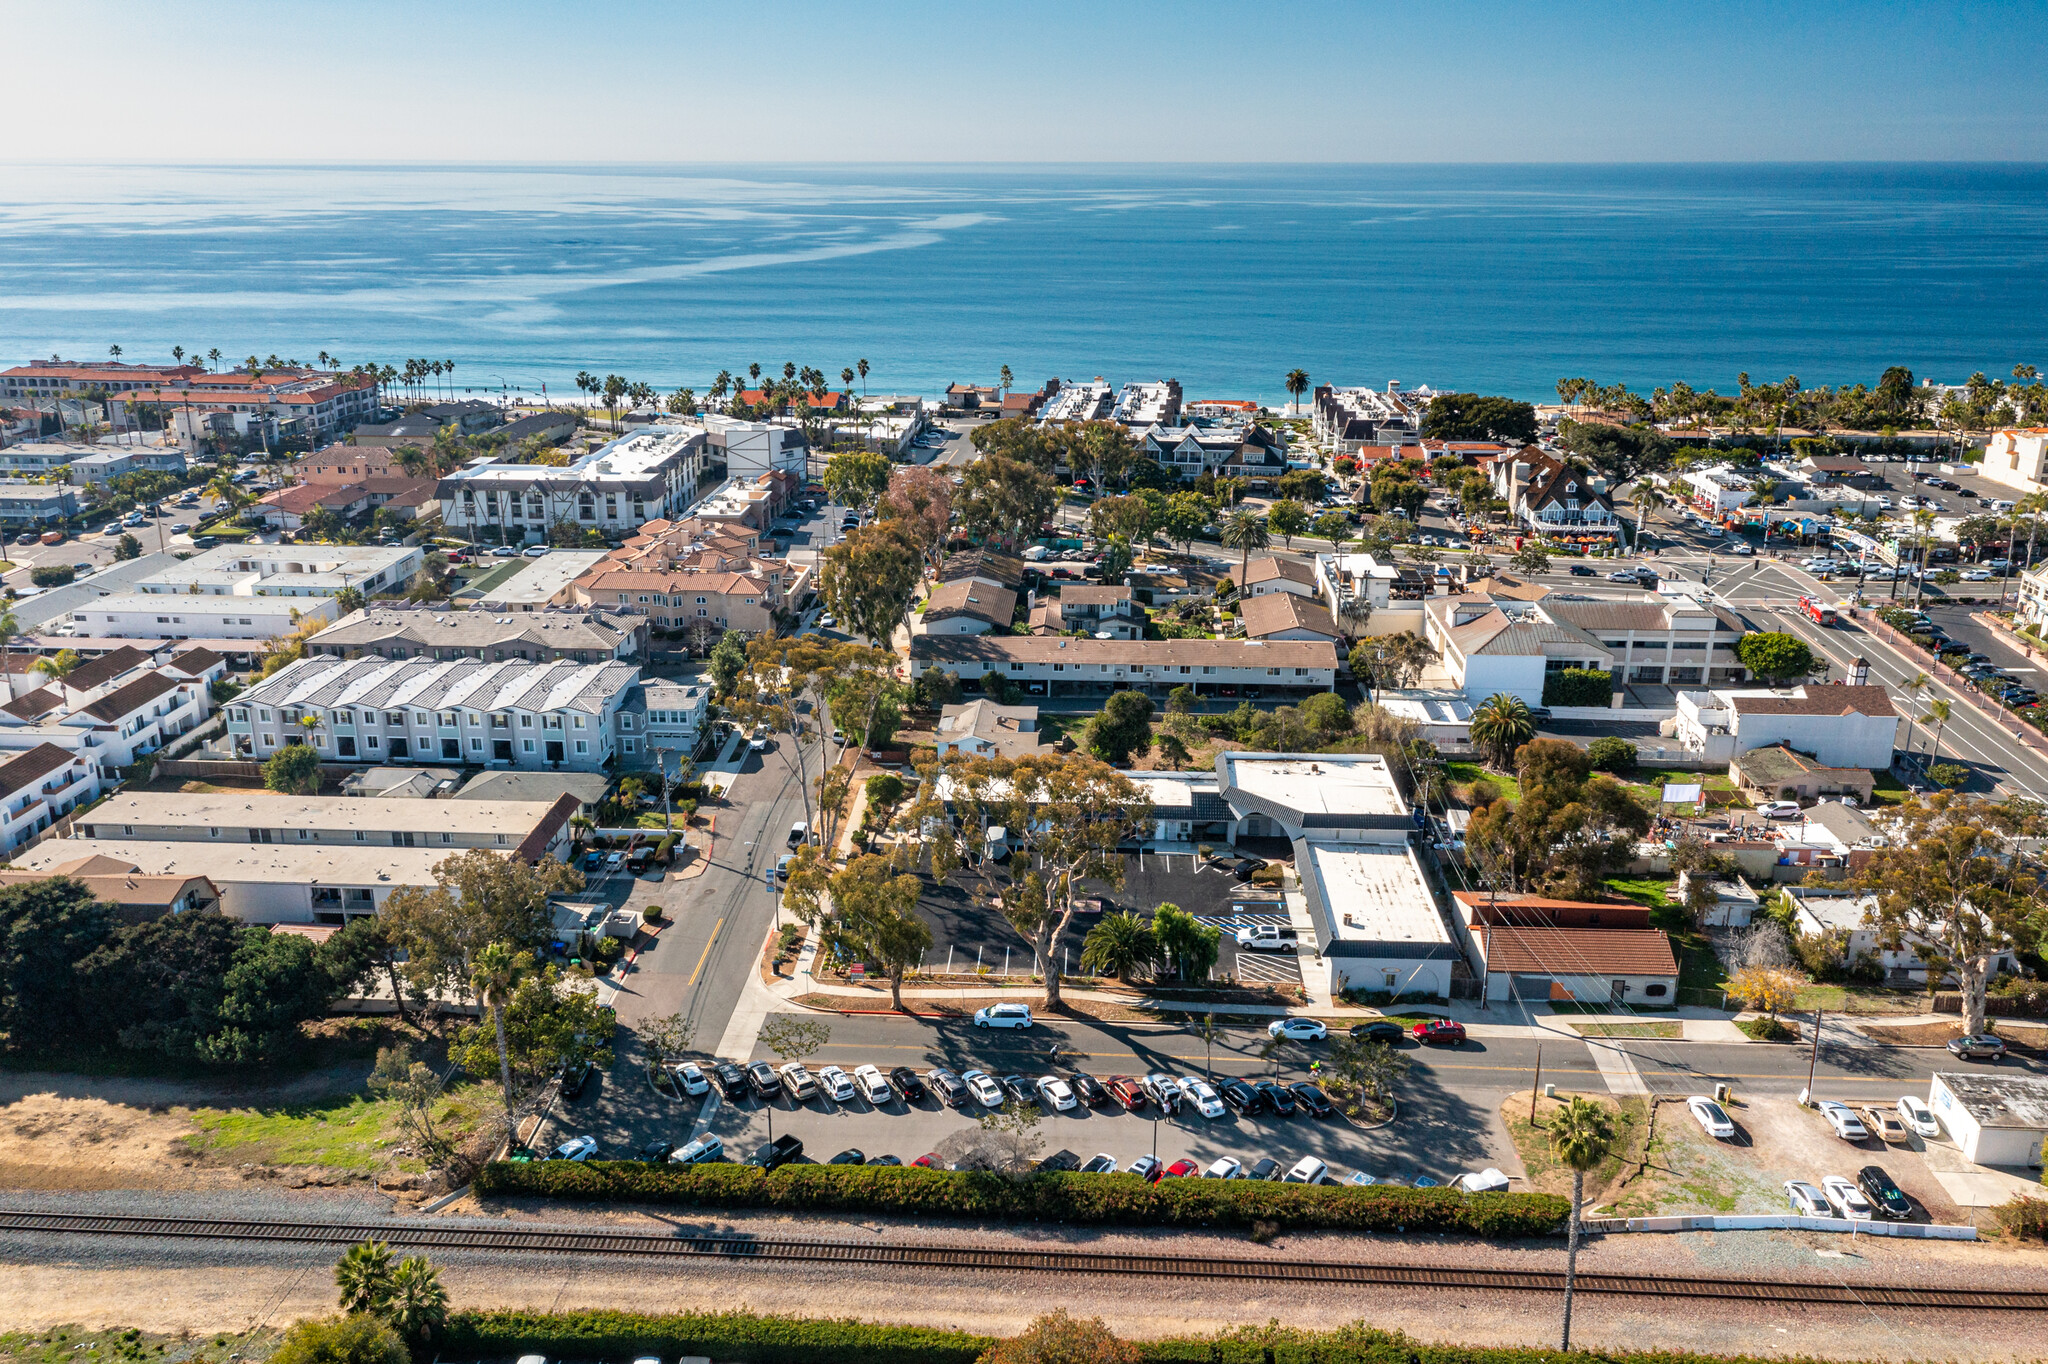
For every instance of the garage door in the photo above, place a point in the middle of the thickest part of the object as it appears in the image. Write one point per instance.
(1532, 987)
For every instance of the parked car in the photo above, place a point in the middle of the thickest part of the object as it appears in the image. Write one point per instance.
(1127, 1091)
(1843, 1119)
(1917, 1115)
(852, 1155)
(655, 1152)
(1163, 1090)
(767, 1083)
(799, 1081)
(1379, 1030)
(1885, 1122)
(1445, 1030)
(1003, 1016)
(1101, 1163)
(1146, 1168)
(1297, 1029)
(873, 1087)
(1017, 1088)
(1981, 1046)
(1057, 1094)
(732, 1081)
(1846, 1199)
(1311, 1098)
(835, 1084)
(951, 1089)
(906, 1084)
(778, 1153)
(1710, 1116)
(576, 1148)
(1059, 1162)
(1090, 1093)
(698, 1152)
(1582, 570)
(1307, 1170)
(1202, 1096)
(574, 1078)
(983, 1087)
(928, 1161)
(1225, 1167)
(1181, 1169)
(689, 1078)
(1264, 1168)
(1242, 1096)
(1884, 1193)
(1276, 1098)
(1807, 1200)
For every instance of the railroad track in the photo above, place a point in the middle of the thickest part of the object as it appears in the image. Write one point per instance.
(656, 1245)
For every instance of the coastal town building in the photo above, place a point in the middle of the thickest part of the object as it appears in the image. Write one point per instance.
(135, 896)
(528, 829)
(1269, 573)
(1228, 450)
(409, 631)
(1343, 419)
(1084, 402)
(983, 729)
(749, 449)
(24, 504)
(612, 490)
(309, 404)
(1836, 724)
(515, 713)
(108, 462)
(38, 787)
(1288, 616)
(1494, 644)
(145, 615)
(400, 498)
(1156, 403)
(1559, 500)
(542, 583)
(58, 378)
(254, 570)
(1065, 666)
(114, 709)
(1343, 578)
(1530, 948)
(966, 606)
(676, 716)
(2017, 458)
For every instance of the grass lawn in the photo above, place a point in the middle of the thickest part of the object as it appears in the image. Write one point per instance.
(1862, 999)
(1465, 773)
(1699, 970)
(1889, 790)
(1668, 1031)
(495, 574)
(344, 1133)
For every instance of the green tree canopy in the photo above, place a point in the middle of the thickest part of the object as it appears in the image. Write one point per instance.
(867, 579)
(549, 1023)
(293, 770)
(857, 478)
(1123, 727)
(1471, 416)
(1774, 655)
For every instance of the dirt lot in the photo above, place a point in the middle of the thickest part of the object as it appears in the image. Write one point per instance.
(2024, 1037)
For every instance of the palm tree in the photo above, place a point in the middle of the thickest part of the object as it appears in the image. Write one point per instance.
(1120, 945)
(1244, 529)
(178, 354)
(2032, 505)
(114, 352)
(1297, 384)
(363, 1274)
(1500, 725)
(1914, 686)
(862, 366)
(214, 355)
(416, 1304)
(1937, 715)
(1923, 523)
(1581, 1135)
(1004, 379)
(494, 976)
(1647, 501)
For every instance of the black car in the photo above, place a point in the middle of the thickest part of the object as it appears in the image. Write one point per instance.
(767, 1084)
(574, 1079)
(1267, 1168)
(730, 1079)
(885, 1160)
(1582, 570)
(1313, 1101)
(1247, 865)
(1277, 1098)
(1884, 1195)
(906, 1084)
(1241, 1097)
(656, 1150)
(779, 1152)
(1060, 1161)
(1087, 1089)
(850, 1156)
(1019, 1088)
(950, 1088)
(1379, 1030)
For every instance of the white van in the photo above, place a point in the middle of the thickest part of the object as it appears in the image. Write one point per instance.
(797, 833)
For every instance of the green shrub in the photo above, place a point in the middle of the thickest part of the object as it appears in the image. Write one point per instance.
(2024, 1217)
(721, 1335)
(1611, 754)
(1080, 1200)
(52, 575)
(1579, 687)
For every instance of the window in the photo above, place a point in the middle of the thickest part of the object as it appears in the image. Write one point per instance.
(1272, 672)
(305, 835)
(527, 745)
(263, 715)
(371, 740)
(526, 722)
(210, 833)
(582, 746)
(579, 722)
(362, 837)
(476, 745)
(629, 745)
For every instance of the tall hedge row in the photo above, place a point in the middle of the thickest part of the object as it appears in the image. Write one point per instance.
(1074, 1199)
(737, 1336)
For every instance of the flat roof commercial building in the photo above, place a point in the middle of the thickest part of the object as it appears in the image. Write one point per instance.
(1348, 797)
(142, 615)
(529, 829)
(288, 571)
(391, 631)
(1378, 926)
(613, 490)
(1059, 665)
(1995, 1119)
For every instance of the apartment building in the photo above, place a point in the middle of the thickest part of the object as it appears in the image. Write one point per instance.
(526, 829)
(1087, 402)
(47, 379)
(749, 449)
(613, 490)
(1269, 573)
(512, 714)
(1836, 724)
(1148, 404)
(966, 607)
(346, 462)
(1343, 419)
(316, 403)
(1063, 665)
(28, 505)
(115, 709)
(403, 498)
(41, 458)
(1489, 645)
(39, 787)
(1676, 641)
(408, 631)
(751, 504)
(2017, 457)
(253, 570)
(135, 895)
(111, 462)
(1555, 499)
(1229, 450)
(676, 714)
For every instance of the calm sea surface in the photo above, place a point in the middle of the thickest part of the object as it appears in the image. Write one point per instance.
(1500, 278)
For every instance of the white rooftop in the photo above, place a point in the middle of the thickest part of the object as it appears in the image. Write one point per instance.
(542, 579)
(244, 570)
(1376, 893)
(1428, 707)
(630, 458)
(1323, 784)
(237, 863)
(1835, 910)
(236, 812)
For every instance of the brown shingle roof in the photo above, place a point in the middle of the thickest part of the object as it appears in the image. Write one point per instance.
(196, 662)
(108, 666)
(983, 563)
(29, 705)
(1579, 951)
(971, 597)
(1830, 699)
(1093, 594)
(133, 696)
(31, 767)
(1266, 568)
(1082, 653)
(1277, 611)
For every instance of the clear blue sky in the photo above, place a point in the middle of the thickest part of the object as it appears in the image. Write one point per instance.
(536, 80)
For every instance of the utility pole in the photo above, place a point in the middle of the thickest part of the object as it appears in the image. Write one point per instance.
(668, 819)
(1537, 1083)
(1813, 1061)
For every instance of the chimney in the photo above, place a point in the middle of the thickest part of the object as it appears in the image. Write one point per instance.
(1859, 671)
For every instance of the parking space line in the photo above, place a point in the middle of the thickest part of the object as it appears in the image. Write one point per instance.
(706, 956)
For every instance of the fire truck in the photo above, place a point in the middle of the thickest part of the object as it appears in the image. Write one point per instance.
(1820, 613)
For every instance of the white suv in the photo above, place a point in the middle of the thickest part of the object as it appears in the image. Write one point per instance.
(1003, 1016)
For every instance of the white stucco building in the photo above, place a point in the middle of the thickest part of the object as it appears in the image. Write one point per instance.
(1839, 725)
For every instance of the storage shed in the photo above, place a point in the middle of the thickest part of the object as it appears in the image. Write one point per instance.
(1995, 1119)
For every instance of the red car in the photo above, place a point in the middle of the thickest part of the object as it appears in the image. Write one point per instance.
(1439, 1030)
(1125, 1091)
(1182, 1169)
(928, 1161)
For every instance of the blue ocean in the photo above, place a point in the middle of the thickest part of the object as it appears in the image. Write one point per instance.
(1498, 278)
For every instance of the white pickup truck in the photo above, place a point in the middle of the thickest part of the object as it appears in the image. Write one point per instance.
(1266, 938)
